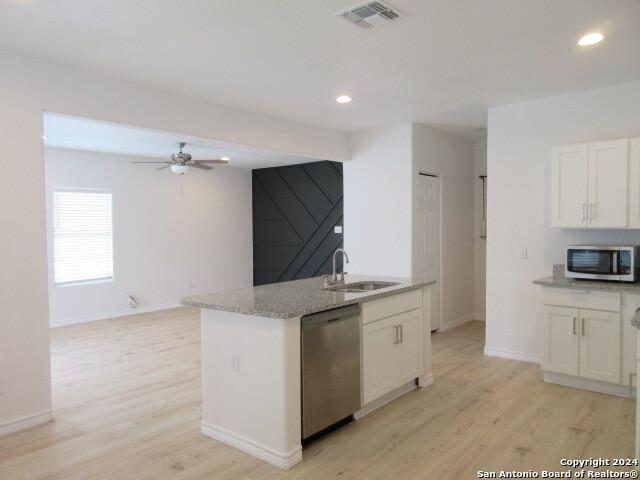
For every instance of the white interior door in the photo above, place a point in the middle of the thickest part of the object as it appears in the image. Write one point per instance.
(429, 245)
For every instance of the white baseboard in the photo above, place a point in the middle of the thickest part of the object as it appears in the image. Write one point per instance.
(593, 385)
(62, 322)
(386, 398)
(444, 326)
(284, 460)
(511, 354)
(23, 423)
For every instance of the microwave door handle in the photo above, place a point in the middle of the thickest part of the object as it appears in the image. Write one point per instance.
(615, 262)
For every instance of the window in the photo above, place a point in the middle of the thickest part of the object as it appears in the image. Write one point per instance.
(82, 236)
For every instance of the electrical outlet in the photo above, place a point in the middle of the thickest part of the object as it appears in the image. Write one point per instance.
(337, 229)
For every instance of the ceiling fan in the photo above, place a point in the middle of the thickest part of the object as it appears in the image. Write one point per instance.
(181, 161)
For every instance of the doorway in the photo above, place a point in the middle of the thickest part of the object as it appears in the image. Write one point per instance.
(428, 263)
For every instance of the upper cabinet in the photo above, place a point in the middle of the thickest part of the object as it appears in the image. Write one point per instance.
(591, 185)
(569, 181)
(634, 183)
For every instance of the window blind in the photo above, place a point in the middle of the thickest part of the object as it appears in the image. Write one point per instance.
(82, 236)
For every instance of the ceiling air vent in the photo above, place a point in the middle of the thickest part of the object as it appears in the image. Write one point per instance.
(370, 14)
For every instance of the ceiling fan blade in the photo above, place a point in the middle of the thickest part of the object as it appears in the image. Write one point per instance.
(220, 162)
(151, 162)
(163, 167)
(201, 167)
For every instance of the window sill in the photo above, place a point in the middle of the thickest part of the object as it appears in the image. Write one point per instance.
(84, 282)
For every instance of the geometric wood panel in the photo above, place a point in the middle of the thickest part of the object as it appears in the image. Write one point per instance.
(295, 210)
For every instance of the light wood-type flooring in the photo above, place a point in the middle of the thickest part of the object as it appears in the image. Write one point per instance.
(126, 396)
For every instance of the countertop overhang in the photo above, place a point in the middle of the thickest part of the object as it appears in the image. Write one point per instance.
(298, 297)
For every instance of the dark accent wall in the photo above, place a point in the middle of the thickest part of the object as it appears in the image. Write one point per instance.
(295, 210)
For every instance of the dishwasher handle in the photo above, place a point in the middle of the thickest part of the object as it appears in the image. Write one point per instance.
(337, 314)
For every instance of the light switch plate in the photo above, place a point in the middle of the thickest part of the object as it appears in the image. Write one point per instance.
(337, 229)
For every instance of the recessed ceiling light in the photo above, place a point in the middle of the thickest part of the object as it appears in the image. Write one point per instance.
(226, 159)
(343, 99)
(590, 39)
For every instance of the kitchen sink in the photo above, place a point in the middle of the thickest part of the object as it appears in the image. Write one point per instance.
(360, 287)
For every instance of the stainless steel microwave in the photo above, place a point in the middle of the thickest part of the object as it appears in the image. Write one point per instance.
(603, 262)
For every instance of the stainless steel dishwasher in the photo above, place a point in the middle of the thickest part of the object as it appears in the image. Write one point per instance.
(330, 368)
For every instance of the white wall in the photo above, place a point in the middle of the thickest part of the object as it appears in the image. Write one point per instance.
(479, 243)
(452, 158)
(381, 207)
(520, 137)
(377, 201)
(173, 235)
(29, 87)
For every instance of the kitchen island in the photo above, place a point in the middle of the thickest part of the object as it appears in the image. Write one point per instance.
(251, 356)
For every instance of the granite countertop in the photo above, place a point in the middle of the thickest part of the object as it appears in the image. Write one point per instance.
(296, 298)
(562, 282)
(558, 280)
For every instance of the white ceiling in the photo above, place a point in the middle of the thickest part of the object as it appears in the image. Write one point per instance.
(444, 63)
(63, 131)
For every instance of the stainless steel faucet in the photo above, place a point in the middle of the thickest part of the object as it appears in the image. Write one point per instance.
(334, 276)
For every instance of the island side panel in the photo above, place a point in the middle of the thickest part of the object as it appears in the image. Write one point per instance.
(427, 312)
(251, 384)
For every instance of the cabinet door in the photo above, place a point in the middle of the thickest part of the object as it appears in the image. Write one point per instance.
(378, 345)
(638, 418)
(560, 340)
(634, 183)
(630, 303)
(608, 179)
(569, 182)
(407, 361)
(600, 345)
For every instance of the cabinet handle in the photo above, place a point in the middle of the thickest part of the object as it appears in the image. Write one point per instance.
(575, 319)
(401, 333)
(396, 331)
(591, 205)
(582, 329)
(584, 212)
(631, 375)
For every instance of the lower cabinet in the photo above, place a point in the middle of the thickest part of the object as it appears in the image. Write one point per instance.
(588, 340)
(584, 343)
(561, 344)
(600, 355)
(391, 353)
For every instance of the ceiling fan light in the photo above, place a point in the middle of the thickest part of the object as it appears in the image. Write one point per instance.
(179, 169)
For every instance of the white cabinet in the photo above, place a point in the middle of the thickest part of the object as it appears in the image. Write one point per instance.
(638, 402)
(634, 183)
(561, 344)
(378, 345)
(407, 357)
(392, 346)
(589, 185)
(583, 343)
(569, 183)
(600, 357)
(608, 179)
(588, 340)
(630, 304)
